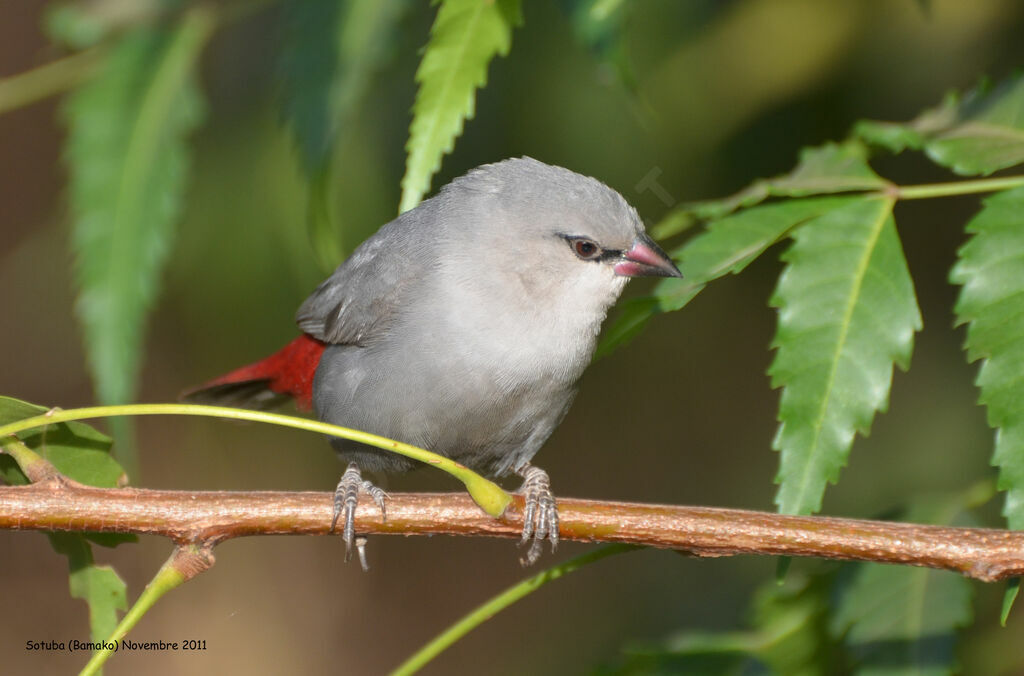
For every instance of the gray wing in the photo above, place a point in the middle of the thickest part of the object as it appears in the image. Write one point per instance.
(359, 300)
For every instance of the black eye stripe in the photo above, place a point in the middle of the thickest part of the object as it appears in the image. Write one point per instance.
(599, 254)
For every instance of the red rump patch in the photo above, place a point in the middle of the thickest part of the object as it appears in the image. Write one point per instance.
(290, 370)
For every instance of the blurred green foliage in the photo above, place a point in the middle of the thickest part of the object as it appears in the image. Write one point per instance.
(671, 103)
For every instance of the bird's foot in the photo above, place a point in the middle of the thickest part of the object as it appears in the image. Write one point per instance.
(346, 497)
(540, 516)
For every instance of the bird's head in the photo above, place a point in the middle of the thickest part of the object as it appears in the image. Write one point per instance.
(553, 228)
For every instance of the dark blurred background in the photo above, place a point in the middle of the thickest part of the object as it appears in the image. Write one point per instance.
(724, 92)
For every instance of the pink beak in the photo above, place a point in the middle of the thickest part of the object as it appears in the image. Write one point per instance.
(646, 259)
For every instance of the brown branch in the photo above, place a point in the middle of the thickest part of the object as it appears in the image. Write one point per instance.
(59, 504)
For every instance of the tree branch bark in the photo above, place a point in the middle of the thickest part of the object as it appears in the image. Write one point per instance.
(60, 504)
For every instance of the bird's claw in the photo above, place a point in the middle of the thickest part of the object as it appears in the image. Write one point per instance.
(540, 515)
(346, 497)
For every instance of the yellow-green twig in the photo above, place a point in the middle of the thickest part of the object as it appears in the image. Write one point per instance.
(33, 466)
(181, 567)
(952, 188)
(48, 80)
(493, 606)
(491, 498)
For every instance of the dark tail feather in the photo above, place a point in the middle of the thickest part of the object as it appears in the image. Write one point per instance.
(267, 383)
(254, 394)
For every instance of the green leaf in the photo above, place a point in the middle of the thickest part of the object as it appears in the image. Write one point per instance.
(901, 619)
(82, 453)
(726, 245)
(465, 37)
(630, 319)
(822, 170)
(892, 136)
(847, 313)
(792, 621)
(99, 586)
(331, 51)
(126, 158)
(788, 635)
(85, 24)
(978, 134)
(673, 223)
(989, 133)
(896, 136)
(990, 269)
(307, 69)
(730, 243)
(76, 449)
(1009, 597)
(75, 26)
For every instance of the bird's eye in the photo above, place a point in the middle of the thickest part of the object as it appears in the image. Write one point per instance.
(585, 249)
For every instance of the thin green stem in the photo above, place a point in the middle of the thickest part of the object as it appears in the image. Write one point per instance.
(929, 190)
(487, 494)
(47, 80)
(498, 603)
(56, 77)
(32, 465)
(167, 578)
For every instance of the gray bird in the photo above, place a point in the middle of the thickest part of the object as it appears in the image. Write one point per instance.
(462, 327)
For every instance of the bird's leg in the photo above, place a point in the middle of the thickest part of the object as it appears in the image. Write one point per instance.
(346, 497)
(540, 516)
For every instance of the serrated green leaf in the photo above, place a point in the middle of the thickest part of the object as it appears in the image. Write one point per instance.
(828, 169)
(126, 158)
(726, 245)
(990, 268)
(466, 35)
(732, 242)
(979, 133)
(332, 48)
(331, 51)
(99, 586)
(822, 170)
(307, 69)
(898, 136)
(989, 133)
(898, 620)
(892, 136)
(847, 313)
